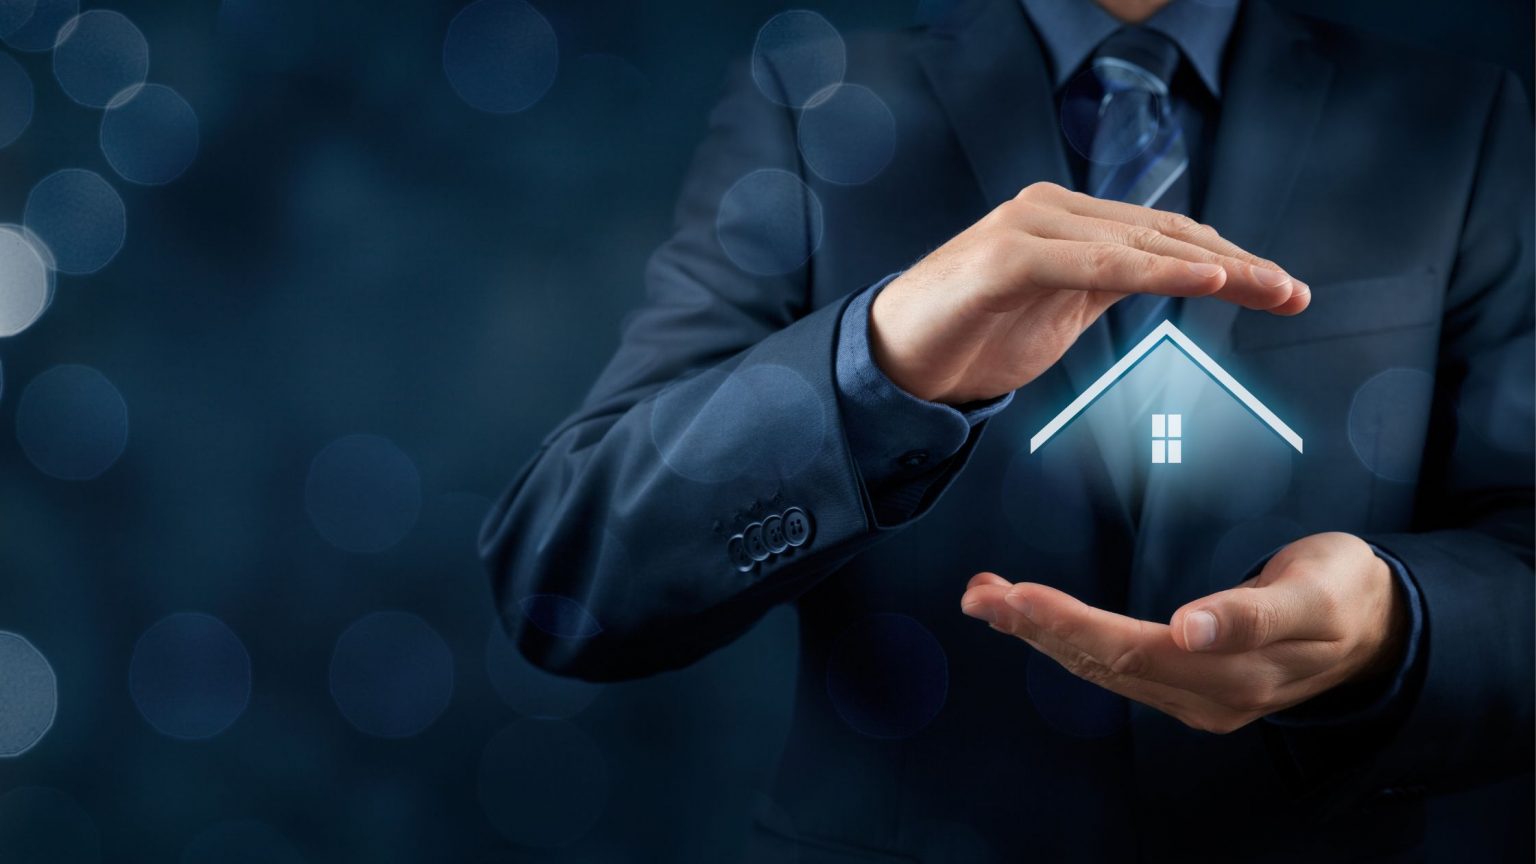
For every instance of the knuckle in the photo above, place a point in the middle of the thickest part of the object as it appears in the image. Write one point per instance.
(1258, 621)
(1131, 662)
(1086, 668)
(1039, 191)
(1141, 237)
(1174, 224)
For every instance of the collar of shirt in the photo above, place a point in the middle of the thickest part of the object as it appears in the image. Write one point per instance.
(1072, 29)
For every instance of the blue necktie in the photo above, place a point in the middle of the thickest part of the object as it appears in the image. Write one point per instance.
(1138, 154)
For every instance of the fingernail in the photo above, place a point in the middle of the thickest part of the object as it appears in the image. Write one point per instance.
(1199, 630)
(1302, 287)
(1020, 604)
(1205, 271)
(981, 611)
(1269, 278)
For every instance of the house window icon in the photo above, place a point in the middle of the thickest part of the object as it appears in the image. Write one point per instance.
(1167, 438)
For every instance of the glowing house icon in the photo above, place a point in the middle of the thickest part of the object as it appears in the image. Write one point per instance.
(1167, 429)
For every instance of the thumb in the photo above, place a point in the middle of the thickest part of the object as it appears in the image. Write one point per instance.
(1241, 619)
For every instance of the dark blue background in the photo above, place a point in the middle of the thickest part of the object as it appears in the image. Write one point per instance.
(357, 250)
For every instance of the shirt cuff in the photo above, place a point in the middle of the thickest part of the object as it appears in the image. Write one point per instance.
(1382, 701)
(895, 437)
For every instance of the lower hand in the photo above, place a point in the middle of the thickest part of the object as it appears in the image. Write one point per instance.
(989, 311)
(1325, 611)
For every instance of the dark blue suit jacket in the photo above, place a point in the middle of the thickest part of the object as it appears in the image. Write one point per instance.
(1397, 182)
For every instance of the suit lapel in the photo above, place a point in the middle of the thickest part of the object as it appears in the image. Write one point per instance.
(1273, 98)
(990, 74)
(988, 71)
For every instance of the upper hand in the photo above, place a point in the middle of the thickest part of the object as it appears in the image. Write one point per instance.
(990, 310)
(1324, 611)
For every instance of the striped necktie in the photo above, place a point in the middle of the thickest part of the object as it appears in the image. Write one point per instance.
(1138, 153)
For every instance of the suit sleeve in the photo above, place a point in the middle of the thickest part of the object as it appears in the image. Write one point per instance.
(1466, 715)
(708, 475)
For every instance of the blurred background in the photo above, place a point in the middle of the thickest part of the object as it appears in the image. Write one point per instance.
(314, 280)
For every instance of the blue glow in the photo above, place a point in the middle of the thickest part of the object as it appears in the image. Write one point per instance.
(24, 282)
(686, 426)
(529, 690)
(797, 55)
(80, 217)
(1045, 496)
(29, 695)
(40, 825)
(769, 222)
(500, 56)
(1126, 102)
(543, 783)
(1069, 704)
(243, 841)
(1386, 427)
(100, 54)
(391, 674)
(887, 676)
(72, 423)
(363, 493)
(190, 676)
(848, 136)
(16, 100)
(149, 135)
(40, 30)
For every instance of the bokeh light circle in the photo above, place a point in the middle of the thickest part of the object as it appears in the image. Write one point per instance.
(391, 674)
(39, 31)
(1069, 704)
(1385, 422)
(848, 135)
(72, 423)
(529, 690)
(769, 223)
(887, 676)
(16, 100)
(149, 135)
(363, 494)
(500, 56)
(99, 55)
(24, 282)
(241, 841)
(80, 217)
(29, 695)
(190, 676)
(39, 825)
(798, 55)
(1120, 104)
(14, 14)
(692, 423)
(543, 783)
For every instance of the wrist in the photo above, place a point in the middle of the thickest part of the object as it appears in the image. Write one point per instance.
(1392, 640)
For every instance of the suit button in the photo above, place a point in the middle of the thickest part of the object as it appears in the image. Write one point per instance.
(773, 534)
(756, 546)
(736, 547)
(914, 459)
(797, 526)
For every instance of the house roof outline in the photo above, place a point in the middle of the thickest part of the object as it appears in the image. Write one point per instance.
(1165, 332)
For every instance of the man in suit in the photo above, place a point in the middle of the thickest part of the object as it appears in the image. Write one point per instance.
(800, 414)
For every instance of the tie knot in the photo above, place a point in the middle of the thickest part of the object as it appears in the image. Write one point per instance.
(1150, 53)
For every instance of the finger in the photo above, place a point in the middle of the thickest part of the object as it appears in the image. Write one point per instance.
(1242, 285)
(1250, 617)
(1189, 707)
(1172, 224)
(1065, 265)
(985, 578)
(1101, 646)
